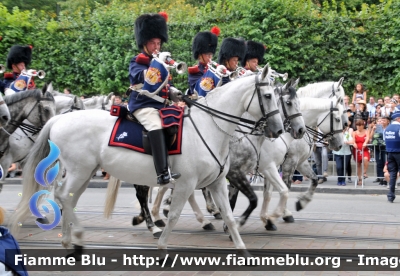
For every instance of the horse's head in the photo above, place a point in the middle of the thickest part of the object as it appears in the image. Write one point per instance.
(289, 107)
(262, 105)
(330, 122)
(4, 113)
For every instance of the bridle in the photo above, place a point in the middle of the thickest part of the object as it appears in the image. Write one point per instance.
(72, 108)
(332, 132)
(288, 118)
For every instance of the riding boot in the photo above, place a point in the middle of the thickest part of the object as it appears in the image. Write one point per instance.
(160, 156)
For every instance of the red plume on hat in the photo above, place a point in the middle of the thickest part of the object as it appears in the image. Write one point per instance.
(164, 14)
(215, 30)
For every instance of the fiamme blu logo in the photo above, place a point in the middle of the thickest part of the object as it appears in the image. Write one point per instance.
(45, 175)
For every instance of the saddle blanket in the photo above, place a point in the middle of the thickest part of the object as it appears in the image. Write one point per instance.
(128, 134)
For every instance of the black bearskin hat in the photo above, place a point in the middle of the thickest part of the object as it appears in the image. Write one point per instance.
(205, 42)
(232, 47)
(149, 26)
(254, 50)
(17, 54)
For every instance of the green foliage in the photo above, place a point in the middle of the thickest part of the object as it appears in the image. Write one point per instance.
(89, 49)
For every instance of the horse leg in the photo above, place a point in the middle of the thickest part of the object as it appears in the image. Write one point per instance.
(220, 195)
(280, 186)
(239, 180)
(211, 208)
(181, 195)
(142, 193)
(305, 169)
(155, 211)
(205, 223)
(264, 208)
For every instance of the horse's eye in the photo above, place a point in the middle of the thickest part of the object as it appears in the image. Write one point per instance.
(289, 103)
(337, 120)
(268, 96)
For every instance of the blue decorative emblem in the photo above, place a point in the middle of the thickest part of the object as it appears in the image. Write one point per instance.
(46, 180)
(155, 76)
(207, 83)
(1, 172)
(21, 83)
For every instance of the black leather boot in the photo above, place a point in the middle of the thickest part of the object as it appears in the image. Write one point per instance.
(160, 156)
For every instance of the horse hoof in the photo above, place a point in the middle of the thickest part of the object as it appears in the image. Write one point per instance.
(298, 206)
(270, 226)
(209, 227)
(43, 220)
(159, 223)
(230, 237)
(165, 212)
(136, 221)
(77, 253)
(157, 235)
(288, 219)
(217, 216)
(226, 230)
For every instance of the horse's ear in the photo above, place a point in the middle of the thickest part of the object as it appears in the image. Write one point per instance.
(295, 83)
(75, 99)
(44, 89)
(340, 82)
(265, 71)
(287, 85)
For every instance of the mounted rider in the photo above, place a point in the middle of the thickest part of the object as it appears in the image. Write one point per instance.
(254, 56)
(151, 32)
(203, 48)
(18, 59)
(231, 53)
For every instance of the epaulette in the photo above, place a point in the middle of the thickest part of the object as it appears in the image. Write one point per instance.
(8, 75)
(193, 70)
(143, 59)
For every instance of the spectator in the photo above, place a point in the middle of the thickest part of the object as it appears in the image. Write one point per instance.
(385, 111)
(371, 107)
(378, 109)
(67, 91)
(343, 156)
(359, 93)
(380, 101)
(377, 131)
(346, 100)
(320, 157)
(361, 151)
(361, 113)
(396, 97)
(392, 140)
(7, 241)
(297, 177)
(117, 100)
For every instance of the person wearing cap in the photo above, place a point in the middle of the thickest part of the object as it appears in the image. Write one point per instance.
(231, 53)
(392, 140)
(203, 48)
(151, 32)
(18, 59)
(361, 113)
(254, 56)
(377, 130)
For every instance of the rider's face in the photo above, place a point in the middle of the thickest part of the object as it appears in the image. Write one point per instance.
(153, 45)
(17, 68)
(232, 63)
(252, 64)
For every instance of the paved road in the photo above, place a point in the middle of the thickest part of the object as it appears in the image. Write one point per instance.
(330, 221)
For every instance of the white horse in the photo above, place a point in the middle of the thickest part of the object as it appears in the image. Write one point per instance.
(4, 113)
(35, 105)
(203, 134)
(99, 102)
(20, 142)
(273, 153)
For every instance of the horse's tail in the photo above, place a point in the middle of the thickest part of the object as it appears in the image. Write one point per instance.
(111, 196)
(39, 151)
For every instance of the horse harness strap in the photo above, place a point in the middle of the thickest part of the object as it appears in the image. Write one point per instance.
(258, 154)
(221, 167)
(332, 131)
(288, 118)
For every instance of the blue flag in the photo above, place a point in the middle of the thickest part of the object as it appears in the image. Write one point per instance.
(21, 83)
(207, 83)
(156, 76)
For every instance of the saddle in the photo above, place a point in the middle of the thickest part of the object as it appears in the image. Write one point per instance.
(129, 133)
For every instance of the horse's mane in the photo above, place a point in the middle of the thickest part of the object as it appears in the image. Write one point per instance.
(318, 103)
(292, 92)
(36, 93)
(222, 88)
(311, 89)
